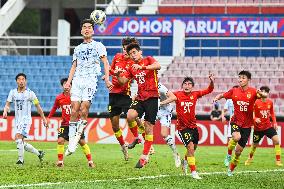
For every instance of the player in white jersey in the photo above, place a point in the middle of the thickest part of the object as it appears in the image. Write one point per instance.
(84, 75)
(23, 98)
(165, 117)
(228, 109)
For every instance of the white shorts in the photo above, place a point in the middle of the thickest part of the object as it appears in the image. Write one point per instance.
(165, 118)
(23, 129)
(229, 130)
(84, 89)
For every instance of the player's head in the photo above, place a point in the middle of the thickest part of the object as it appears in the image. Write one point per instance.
(187, 84)
(87, 28)
(21, 80)
(265, 89)
(63, 82)
(126, 41)
(244, 78)
(134, 51)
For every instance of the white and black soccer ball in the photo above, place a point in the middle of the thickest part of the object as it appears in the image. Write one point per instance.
(98, 16)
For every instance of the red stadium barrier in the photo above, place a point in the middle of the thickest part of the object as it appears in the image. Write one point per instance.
(99, 130)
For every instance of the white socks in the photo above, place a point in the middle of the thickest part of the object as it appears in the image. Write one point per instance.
(20, 147)
(29, 148)
(170, 142)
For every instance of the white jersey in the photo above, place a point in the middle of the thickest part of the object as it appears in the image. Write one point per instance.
(88, 56)
(23, 102)
(163, 96)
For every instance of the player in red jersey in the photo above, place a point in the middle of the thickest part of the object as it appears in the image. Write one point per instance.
(119, 96)
(186, 121)
(243, 98)
(144, 71)
(63, 102)
(263, 111)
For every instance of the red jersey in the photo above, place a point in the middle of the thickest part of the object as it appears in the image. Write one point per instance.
(120, 62)
(243, 101)
(64, 103)
(147, 80)
(185, 107)
(264, 110)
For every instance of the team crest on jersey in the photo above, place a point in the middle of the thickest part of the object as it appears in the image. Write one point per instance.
(268, 106)
(249, 95)
(191, 97)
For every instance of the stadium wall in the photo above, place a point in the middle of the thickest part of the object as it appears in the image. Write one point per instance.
(99, 130)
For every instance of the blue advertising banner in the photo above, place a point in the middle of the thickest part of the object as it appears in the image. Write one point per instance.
(194, 26)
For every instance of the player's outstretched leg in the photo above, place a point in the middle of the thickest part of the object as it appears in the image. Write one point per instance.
(231, 147)
(134, 129)
(145, 156)
(250, 158)
(169, 140)
(124, 146)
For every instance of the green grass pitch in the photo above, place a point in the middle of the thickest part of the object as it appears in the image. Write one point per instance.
(113, 172)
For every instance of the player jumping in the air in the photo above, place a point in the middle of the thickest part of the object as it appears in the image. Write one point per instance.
(63, 102)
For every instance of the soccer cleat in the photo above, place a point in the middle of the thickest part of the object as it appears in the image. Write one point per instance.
(91, 164)
(124, 149)
(41, 155)
(59, 164)
(278, 163)
(19, 162)
(248, 161)
(195, 175)
(230, 173)
(141, 163)
(67, 152)
(152, 150)
(227, 160)
(184, 166)
(133, 144)
(177, 159)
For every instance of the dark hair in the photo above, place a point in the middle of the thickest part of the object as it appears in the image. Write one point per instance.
(63, 80)
(133, 46)
(20, 74)
(246, 73)
(265, 88)
(186, 79)
(128, 40)
(87, 20)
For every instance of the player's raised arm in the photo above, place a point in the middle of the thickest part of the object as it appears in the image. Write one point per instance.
(6, 109)
(171, 97)
(210, 88)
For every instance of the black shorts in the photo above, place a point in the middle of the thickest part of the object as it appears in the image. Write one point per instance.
(188, 135)
(257, 135)
(63, 132)
(118, 103)
(245, 133)
(149, 107)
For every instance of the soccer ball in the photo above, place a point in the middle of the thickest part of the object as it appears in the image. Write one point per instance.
(98, 16)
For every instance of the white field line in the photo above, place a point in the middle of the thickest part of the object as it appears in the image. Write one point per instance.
(128, 179)
(15, 150)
